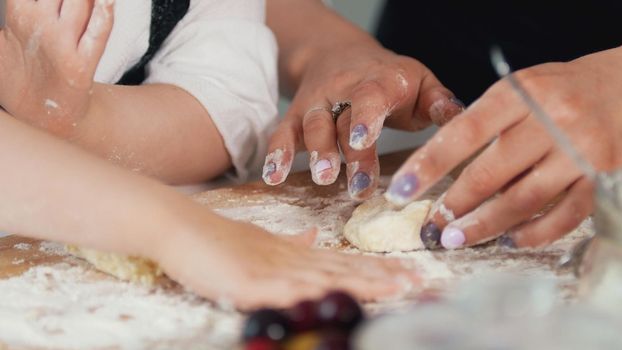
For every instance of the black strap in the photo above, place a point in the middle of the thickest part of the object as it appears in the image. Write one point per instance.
(165, 14)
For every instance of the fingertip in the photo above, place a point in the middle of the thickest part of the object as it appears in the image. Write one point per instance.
(98, 30)
(277, 167)
(403, 189)
(362, 181)
(453, 237)
(306, 239)
(506, 241)
(324, 170)
(365, 135)
(431, 236)
(444, 109)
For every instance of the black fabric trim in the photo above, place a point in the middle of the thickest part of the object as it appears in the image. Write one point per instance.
(165, 14)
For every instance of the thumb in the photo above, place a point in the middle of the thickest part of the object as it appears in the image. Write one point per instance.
(435, 101)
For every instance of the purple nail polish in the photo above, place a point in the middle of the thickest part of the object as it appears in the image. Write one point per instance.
(321, 165)
(358, 136)
(431, 236)
(359, 183)
(457, 102)
(452, 238)
(404, 187)
(269, 169)
(506, 241)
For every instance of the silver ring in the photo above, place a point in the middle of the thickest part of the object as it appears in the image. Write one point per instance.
(339, 108)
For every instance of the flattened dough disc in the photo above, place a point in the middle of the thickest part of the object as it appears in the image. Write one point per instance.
(126, 268)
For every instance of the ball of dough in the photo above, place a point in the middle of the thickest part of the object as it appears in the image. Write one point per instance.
(377, 226)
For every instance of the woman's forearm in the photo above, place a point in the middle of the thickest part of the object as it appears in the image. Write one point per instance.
(306, 29)
(52, 190)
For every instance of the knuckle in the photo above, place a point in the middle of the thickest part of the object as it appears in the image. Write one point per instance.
(343, 78)
(316, 121)
(471, 131)
(370, 89)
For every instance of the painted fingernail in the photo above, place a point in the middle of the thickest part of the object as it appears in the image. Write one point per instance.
(444, 109)
(358, 136)
(320, 172)
(359, 183)
(268, 170)
(452, 238)
(322, 165)
(431, 236)
(457, 102)
(506, 241)
(402, 189)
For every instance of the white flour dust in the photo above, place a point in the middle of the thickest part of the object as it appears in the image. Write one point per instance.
(70, 307)
(51, 104)
(285, 217)
(23, 246)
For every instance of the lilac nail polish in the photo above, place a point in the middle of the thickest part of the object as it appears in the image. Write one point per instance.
(457, 102)
(506, 241)
(452, 238)
(359, 183)
(404, 187)
(269, 169)
(321, 165)
(431, 236)
(358, 136)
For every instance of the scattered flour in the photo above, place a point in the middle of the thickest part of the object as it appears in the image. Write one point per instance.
(70, 307)
(285, 216)
(17, 261)
(52, 248)
(51, 104)
(23, 246)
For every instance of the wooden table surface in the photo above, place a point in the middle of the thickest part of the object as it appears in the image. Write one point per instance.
(299, 203)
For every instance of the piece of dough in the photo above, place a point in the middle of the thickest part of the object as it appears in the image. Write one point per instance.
(377, 226)
(127, 268)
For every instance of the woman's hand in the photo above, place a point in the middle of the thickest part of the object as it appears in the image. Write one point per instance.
(383, 88)
(49, 51)
(225, 260)
(521, 183)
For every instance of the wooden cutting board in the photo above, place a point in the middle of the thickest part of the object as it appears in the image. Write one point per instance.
(294, 207)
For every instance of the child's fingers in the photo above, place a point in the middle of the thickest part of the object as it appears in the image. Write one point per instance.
(74, 15)
(305, 239)
(49, 7)
(16, 11)
(95, 37)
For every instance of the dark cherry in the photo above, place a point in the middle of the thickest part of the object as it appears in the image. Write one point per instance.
(333, 341)
(338, 310)
(268, 324)
(303, 316)
(262, 344)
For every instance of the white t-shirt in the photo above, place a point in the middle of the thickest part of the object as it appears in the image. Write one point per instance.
(222, 53)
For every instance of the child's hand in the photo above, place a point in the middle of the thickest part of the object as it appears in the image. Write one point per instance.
(245, 265)
(49, 51)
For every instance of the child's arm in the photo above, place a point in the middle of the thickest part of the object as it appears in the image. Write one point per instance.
(162, 128)
(51, 190)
